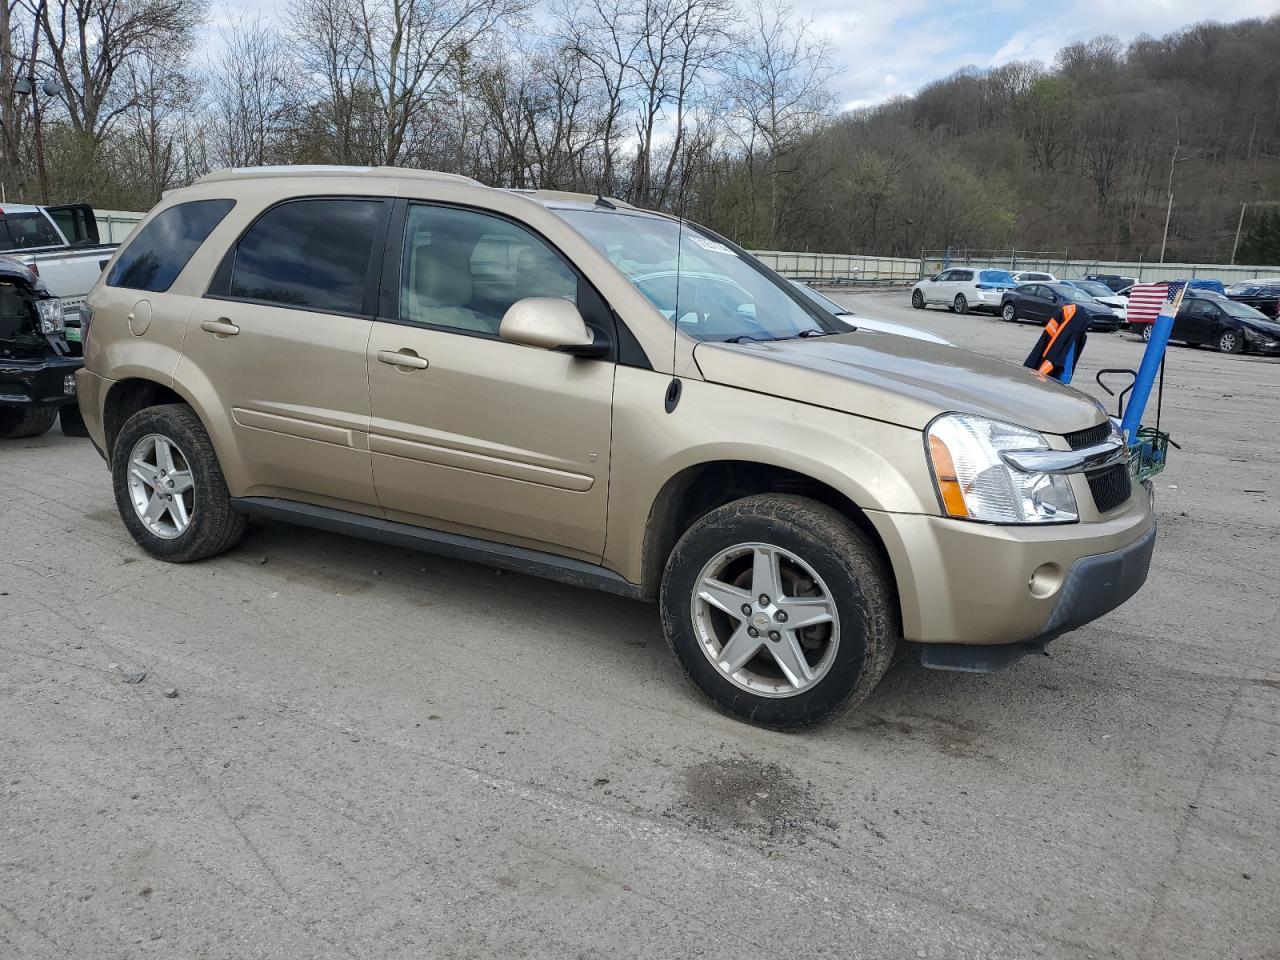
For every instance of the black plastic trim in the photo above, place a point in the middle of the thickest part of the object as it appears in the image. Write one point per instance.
(520, 559)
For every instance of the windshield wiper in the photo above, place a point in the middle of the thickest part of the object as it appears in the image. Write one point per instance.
(806, 334)
(743, 337)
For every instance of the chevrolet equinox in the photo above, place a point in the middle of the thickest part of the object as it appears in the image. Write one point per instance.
(571, 387)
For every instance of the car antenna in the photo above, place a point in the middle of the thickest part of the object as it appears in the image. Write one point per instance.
(602, 202)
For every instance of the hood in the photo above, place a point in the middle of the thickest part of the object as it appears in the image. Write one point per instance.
(1113, 301)
(1271, 327)
(897, 380)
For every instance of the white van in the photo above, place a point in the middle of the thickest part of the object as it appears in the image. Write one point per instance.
(963, 289)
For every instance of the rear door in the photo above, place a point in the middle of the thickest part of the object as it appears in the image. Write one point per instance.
(280, 339)
(471, 433)
(1036, 304)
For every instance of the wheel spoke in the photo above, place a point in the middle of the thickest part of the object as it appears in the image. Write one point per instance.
(144, 472)
(740, 649)
(178, 510)
(155, 509)
(182, 480)
(164, 455)
(791, 659)
(721, 595)
(807, 611)
(766, 578)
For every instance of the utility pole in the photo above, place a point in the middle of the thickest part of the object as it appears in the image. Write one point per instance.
(1239, 225)
(1173, 160)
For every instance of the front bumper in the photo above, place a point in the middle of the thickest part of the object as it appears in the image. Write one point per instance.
(977, 584)
(1094, 586)
(38, 383)
(1268, 346)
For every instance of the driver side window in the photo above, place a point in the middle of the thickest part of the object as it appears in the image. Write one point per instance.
(462, 270)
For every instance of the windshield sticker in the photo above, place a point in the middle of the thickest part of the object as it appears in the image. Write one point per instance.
(711, 246)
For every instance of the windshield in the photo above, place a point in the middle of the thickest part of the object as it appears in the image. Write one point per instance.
(1074, 294)
(1242, 310)
(826, 303)
(720, 293)
(997, 276)
(1094, 288)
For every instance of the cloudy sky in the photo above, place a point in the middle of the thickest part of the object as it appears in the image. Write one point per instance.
(888, 48)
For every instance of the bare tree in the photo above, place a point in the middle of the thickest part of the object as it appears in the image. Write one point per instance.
(91, 43)
(777, 91)
(252, 95)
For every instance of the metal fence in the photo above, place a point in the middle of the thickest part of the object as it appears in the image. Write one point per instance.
(115, 225)
(841, 268)
(933, 261)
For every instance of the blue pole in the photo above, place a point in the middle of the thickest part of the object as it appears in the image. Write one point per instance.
(1068, 366)
(1149, 370)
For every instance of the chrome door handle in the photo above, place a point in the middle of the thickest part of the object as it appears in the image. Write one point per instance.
(403, 358)
(222, 327)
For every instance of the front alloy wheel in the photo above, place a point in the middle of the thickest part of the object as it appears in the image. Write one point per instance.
(1230, 341)
(1146, 332)
(917, 299)
(765, 619)
(779, 609)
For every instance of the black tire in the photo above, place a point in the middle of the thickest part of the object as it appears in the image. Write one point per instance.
(19, 422)
(960, 304)
(917, 299)
(1009, 313)
(854, 573)
(1146, 333)
(71, 422)
(1231, 341)
(214, 526)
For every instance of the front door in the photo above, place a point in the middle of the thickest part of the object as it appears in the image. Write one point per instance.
(1196, 322)
(471, 433)
(280, 341)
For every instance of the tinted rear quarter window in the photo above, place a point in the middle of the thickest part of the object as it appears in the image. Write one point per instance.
(154, 258)
(309, 254)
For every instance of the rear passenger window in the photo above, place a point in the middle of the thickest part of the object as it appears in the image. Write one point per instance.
(153, 259)
(310, 254)
(963, 275)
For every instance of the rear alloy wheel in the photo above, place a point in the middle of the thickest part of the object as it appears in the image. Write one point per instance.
(779, 610)
(19, 422)
(169, 486)
(1009, 313)
(1231, 341)
(960, 304)
(917, 299)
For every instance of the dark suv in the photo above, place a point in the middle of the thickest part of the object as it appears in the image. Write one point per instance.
(1262, 295)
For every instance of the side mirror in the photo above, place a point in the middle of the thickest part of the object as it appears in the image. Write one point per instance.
(552, 324)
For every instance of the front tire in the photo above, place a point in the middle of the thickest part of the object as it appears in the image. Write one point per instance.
(917, 299)
(169, 487)
(1231, 341)
(809, 584)
(19, 422)
(1009, 314)
(960, 304)
(1146, 332)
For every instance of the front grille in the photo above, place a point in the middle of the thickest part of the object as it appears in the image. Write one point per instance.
(1089, 437)
(1110, 487)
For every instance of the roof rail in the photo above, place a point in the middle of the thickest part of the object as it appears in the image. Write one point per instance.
(329, 170)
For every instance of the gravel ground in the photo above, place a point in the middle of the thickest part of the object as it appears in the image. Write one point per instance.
(374, 753)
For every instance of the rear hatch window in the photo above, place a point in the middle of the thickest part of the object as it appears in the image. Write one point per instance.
(27, 231)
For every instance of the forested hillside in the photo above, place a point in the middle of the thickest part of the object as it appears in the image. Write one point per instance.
(719, 109)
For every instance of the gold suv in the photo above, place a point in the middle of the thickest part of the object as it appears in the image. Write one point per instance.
(571, 387)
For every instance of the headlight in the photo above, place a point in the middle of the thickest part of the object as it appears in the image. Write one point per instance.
(1255, 335)
(50, 313)
(973, 481)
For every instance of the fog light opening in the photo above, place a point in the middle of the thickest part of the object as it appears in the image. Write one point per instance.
(1045, 580)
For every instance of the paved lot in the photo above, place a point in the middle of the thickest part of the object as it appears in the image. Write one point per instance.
(378, 754)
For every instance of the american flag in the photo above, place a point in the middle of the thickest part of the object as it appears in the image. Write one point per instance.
(1146, 301)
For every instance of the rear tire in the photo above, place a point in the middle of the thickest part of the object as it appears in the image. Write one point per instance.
(820, 564)
(19, 422)
(1231, 341)
(1009, 313)
(917, 299)
(960, 304)
(211, 526)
